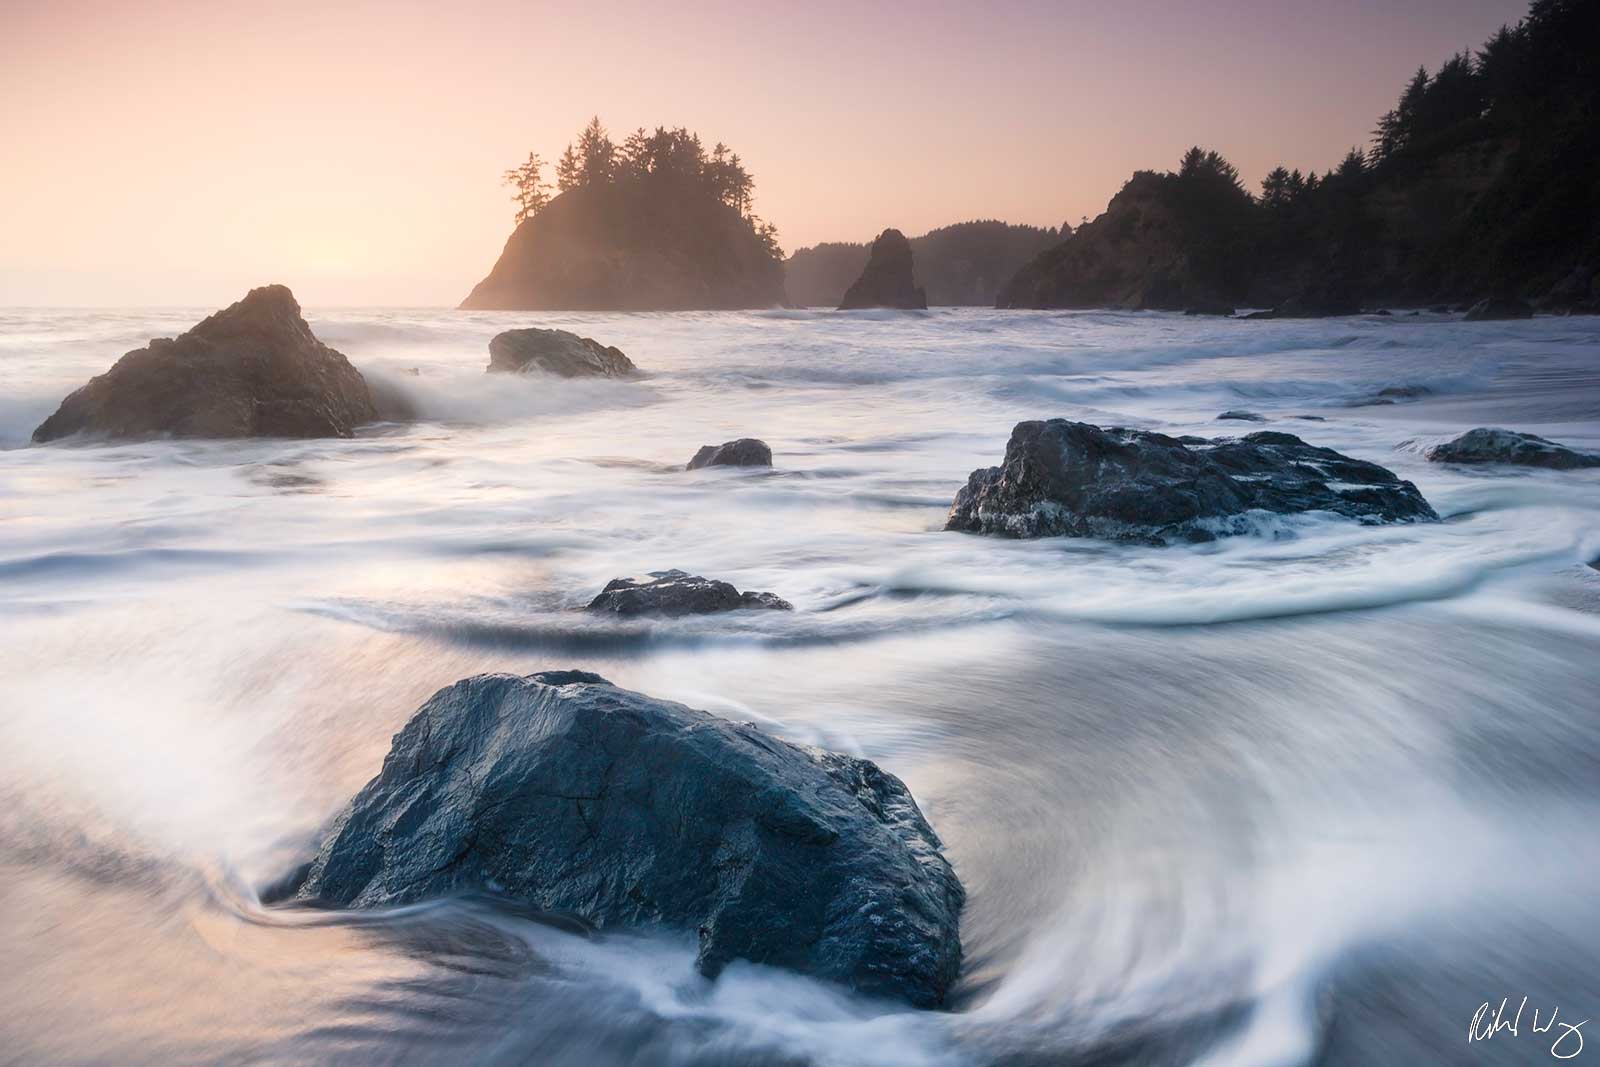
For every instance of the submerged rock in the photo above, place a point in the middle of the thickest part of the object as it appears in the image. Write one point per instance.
(1487, 445)
(745, 452)
(558, 352)
(564, 792)
(886, 281)
(1062, 478)
(1315, 303)
(674, 593)
(253, 369)
(1496, 308)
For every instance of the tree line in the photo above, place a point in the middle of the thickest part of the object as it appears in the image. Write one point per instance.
(664, 156)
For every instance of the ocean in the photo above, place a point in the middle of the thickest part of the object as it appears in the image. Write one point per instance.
(1311, 795)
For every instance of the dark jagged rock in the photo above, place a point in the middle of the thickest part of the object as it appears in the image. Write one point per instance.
(1242, 416)
(558, 352)
(886, 281)
(253, 369)
(1062, 478)
(1498, 308)
(568, 794)
(745, 452)
(674, 593)
(1486, 445)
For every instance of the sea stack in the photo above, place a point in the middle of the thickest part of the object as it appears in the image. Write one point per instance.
(887, 280)
(253, 369)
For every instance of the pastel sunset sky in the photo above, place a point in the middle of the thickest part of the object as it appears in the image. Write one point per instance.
(177, 153)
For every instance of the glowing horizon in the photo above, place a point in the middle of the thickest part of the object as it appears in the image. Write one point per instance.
(181, 153)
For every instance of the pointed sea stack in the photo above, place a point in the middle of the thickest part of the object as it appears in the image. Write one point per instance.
(887, 281)
(253, 369)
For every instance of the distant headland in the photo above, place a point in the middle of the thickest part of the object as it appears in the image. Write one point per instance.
(1480, 182)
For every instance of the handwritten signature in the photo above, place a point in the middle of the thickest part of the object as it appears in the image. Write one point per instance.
(1490, 1020)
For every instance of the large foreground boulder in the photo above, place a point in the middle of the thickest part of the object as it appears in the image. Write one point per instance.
(675, 593)
(1487, 445)
(558, 352)
(887, 280)
(745, 452)
(253, 369)
(1062, 478)
(567, 793)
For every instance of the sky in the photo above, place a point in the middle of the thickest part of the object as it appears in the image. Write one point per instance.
(177, 153)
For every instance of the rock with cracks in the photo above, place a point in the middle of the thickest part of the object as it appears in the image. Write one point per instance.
(1486, 445)
(675, 593)
(1062, 478)
(569, 794)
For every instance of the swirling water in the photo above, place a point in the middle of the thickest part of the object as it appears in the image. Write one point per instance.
(1306, 796)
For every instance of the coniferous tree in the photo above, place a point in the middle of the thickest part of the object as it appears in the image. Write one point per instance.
(596, 154)
(529, 191)
(567, 170)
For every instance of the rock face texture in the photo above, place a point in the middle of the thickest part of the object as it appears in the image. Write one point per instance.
(251, 370)
(658, 246)
(567, 793)
(1494, 309)
(674, 593)
(886, 281)
(1062, 478)
(745, 452)
(1485, 445)
(558, 352)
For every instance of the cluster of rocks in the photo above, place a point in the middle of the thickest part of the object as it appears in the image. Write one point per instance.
(571, 795)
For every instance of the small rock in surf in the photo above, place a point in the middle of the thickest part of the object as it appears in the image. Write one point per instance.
(558, 352)
(745, 452)
(1488, 445)
(675, 593)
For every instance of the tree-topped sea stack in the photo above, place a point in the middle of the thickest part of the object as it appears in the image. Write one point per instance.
(887, 281)
(654, 224)
(253, 369)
